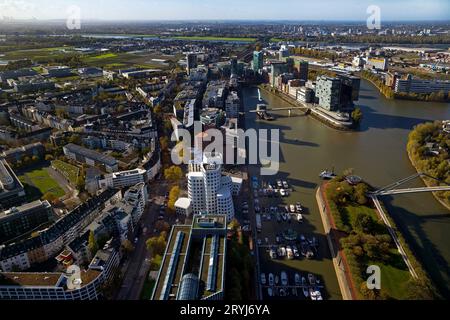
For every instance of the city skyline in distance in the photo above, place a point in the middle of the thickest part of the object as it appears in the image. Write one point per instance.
(232, 10)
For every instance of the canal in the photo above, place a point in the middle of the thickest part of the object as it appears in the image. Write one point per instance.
(377, 152)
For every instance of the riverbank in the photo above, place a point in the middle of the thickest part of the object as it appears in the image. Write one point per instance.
(428, 150)
(314, 113)
(429, 184)
(389, 93)
(341, 267)
(359, 227)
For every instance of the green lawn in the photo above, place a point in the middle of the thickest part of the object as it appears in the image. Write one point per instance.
(69, 171)
(41, 180)
(394, 279)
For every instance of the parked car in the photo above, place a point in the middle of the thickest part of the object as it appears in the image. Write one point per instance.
(263, 278)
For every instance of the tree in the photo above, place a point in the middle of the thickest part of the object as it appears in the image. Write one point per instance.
(173, 173)
(161, 225)
(92, 243)
(234, 225)
(173, 196)
(155, 262)
(364, 223)
(48, 157)
(361, 190)
(127, 246)
(357, 115)
(50, 197)
(156, 245)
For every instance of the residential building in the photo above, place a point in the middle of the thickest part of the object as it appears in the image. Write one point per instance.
(122, 179)
(18, 221)
(55, 285)
(191, 60)
(90, 157)
(11, 189)
(15, 154)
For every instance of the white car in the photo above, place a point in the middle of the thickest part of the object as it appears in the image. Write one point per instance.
(263, 278)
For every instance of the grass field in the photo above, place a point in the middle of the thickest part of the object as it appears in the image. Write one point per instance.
(67, 170)
(41, 182)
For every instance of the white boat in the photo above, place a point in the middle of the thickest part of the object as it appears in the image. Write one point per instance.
(263, 279)
(292, 208)
(270, 291)
(311, 279)
(283, 193)
(305, 287)
(271, 279)
(299, 217)
(279, 184)
(285, 184)
(284, 278)
(259, 95)
(298, 280)
(298, 207)
(327, 174)
(315, 294)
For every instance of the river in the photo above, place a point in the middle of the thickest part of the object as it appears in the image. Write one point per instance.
(377, 152)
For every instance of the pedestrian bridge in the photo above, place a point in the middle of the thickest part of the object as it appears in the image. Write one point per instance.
(392, 189)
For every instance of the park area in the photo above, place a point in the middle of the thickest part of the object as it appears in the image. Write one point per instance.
(38, 182)
(70, 172)
(365, 240)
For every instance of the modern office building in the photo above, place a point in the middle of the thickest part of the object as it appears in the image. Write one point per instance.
(303, 69)
(277, 68)
(337, 94)
(183, 206)
(232, 104)
(193, 266)
(409, 84)
(191, 60)
(305, 94)
(207, 189)
(18, 221)
(90, 157)
(258, 60)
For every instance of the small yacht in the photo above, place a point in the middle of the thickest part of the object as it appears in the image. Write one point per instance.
(326, 174)
(305, 287)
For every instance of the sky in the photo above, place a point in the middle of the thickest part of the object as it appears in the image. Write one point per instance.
(391, 10)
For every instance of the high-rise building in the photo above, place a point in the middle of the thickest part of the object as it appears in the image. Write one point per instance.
(191, 59)
(258, 60)
(303, 68)
(337, 94)
(234, 65)
(208, 190)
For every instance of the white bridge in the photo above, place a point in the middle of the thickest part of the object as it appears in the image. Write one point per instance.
(391, 189)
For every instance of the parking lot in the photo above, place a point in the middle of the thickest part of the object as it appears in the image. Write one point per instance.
(289, 247)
